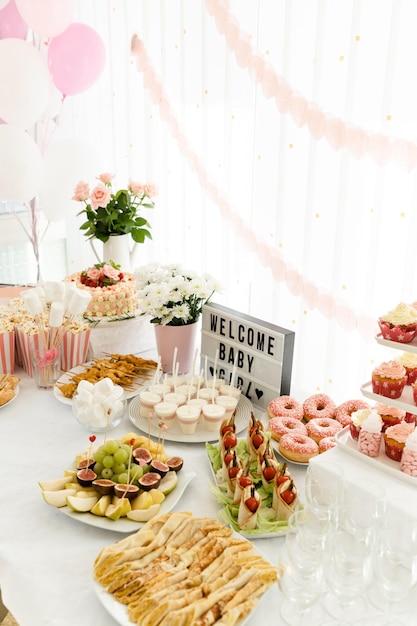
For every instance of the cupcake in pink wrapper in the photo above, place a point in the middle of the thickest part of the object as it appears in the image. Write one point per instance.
(395, 438)
(390, 415)
(409, 455)
(74, 348)
(7, 347)
(409, 361)
(370, 435)
(400, 324)
(357, 419)
(388, 379)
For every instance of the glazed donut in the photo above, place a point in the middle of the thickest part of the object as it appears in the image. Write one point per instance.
(345, 410)
(279, 426)
(318, 405)
(322, 427)
(285, 406)
(299, 448)
(326, 443)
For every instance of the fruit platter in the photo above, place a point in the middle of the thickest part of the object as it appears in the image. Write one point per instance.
(120, 485)
(257, 492)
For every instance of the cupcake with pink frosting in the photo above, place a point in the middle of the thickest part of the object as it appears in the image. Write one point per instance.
(390, 415)
(400, 324)
(370, 436)
(389, 379)
(409, 455)
(395, 438)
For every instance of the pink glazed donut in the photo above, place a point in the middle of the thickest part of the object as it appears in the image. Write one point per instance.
(345, 410)
(279, 426)
(319, 405)
(285, 406)
(322, 427)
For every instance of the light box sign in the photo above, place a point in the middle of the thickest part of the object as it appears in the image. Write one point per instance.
(263, 353)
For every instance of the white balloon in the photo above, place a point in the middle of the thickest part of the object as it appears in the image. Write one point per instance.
(25, 83)
(20, 165)
(65, 163)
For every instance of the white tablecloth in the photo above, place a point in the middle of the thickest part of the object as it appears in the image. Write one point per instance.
(46, 557)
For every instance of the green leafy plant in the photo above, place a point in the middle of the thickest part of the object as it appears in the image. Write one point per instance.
(111, 212)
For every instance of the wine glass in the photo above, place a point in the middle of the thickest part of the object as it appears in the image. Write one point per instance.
(395, 562)
(301, 586)
(324, 489)
(313, 531)
(348, 573)
(363, 509)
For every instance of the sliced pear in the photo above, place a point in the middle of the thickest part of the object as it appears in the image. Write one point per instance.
(143, 515)
(143, 501)
(69, 472)
(157, 496)
(86, 493)
(58, 498)
(169, 482)
(114, 511)
(81, 505)
(101, 505)
(56, 483)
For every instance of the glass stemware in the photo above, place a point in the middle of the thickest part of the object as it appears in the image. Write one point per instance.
(363, 509)
(395, 562)
(324, 489)
(301, 585)
(348, 573)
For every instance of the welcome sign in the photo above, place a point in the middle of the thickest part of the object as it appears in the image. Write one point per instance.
(262, 352)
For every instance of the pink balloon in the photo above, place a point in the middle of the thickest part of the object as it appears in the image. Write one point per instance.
(11, 22)
(76, 58)
(47, 18)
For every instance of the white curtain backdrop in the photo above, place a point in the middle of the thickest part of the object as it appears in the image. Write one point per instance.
(281, 135)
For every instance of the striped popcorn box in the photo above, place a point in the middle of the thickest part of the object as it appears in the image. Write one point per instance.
(24, 348)
(7, 352)
(74, 348)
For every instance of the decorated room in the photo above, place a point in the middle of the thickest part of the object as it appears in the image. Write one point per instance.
(208, 312)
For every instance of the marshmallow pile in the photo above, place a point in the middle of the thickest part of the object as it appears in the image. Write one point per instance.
(100, 405)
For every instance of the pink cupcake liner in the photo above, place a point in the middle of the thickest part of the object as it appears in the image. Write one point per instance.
(388, 388)
(397, 333)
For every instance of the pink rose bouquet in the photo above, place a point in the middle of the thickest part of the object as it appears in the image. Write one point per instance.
(111, 212)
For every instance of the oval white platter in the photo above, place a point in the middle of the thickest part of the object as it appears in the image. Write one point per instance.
(16, 393)
(66, 378)
(174, 432)
(125, 525)
(118, 611)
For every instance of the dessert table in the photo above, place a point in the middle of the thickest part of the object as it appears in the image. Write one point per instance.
(46, 557)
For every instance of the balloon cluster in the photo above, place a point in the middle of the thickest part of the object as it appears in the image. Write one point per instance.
(44, 57)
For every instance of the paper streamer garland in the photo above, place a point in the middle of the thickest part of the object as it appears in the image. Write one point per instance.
(338, 134)
(297, 284)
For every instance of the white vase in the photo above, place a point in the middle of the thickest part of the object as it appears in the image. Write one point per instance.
(121, 249)
(182, 338)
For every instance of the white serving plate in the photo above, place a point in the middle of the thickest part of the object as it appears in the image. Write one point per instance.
(125, 525)
(16, 393)
(346, 442)
(66, 378)
(405, 402)
(174, 432)
(118, 611)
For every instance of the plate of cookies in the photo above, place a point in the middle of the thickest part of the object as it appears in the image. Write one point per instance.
(9, 389)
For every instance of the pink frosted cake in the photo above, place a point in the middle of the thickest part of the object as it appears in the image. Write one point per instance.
(113, 292)
(388, 379)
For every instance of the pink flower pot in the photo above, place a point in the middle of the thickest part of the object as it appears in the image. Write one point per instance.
(182, 338)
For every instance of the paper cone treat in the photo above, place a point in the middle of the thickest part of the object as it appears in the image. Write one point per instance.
(74, 348)
(7, 352)
(250, 503)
